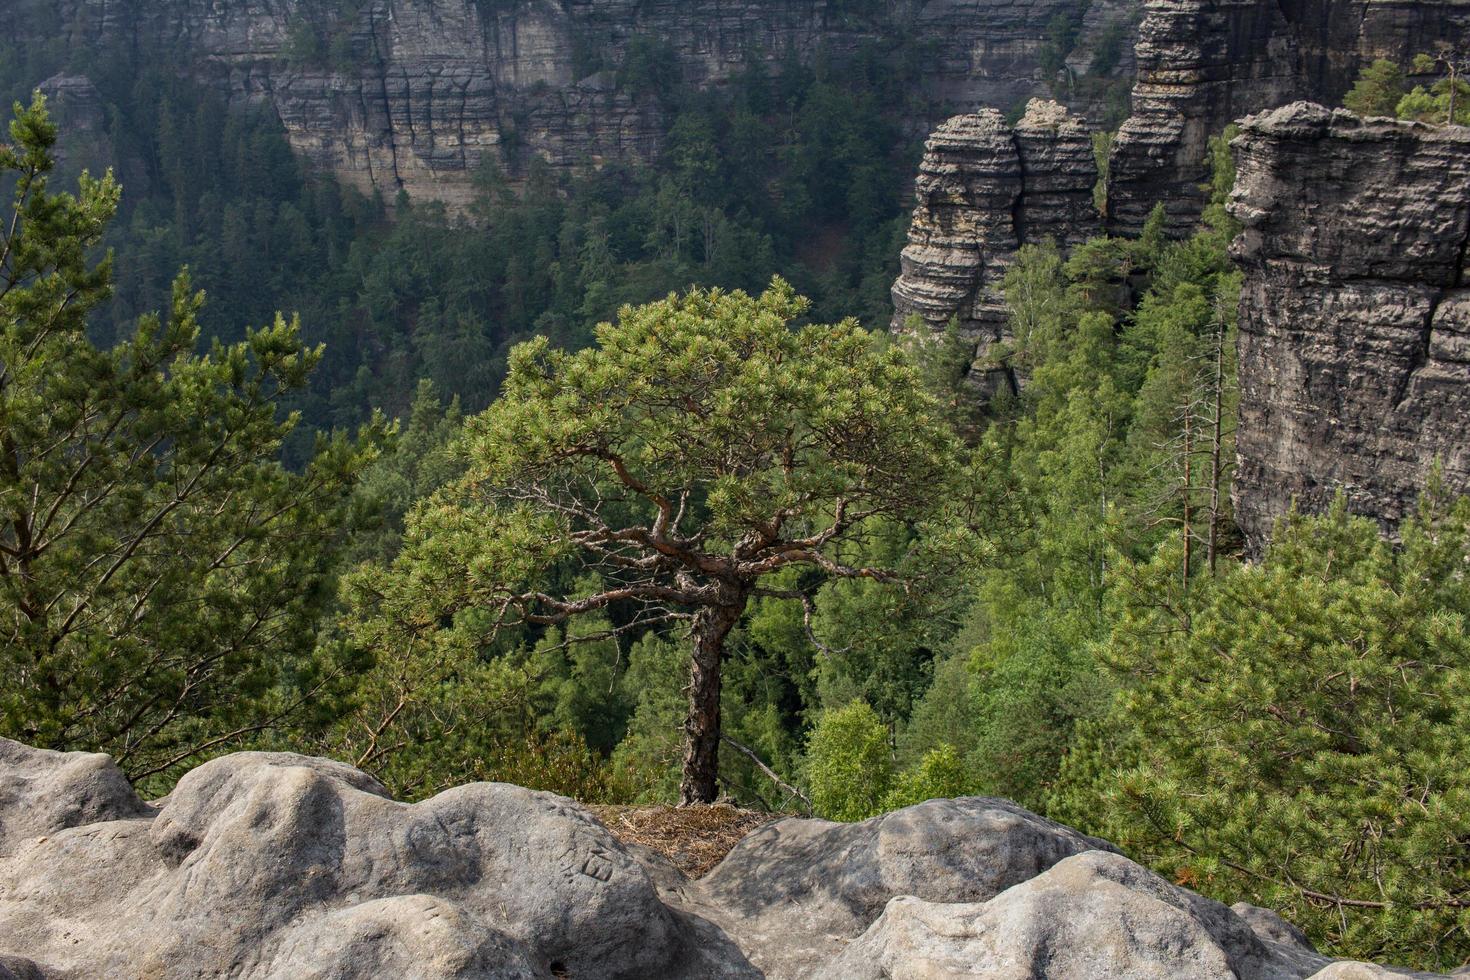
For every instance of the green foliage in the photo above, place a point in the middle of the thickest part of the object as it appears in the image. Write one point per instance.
(807, 177)
(418, 461)
(849, 763)
(1377, 91)
(650, 67)
(702, 447)
(1433, 105)
(941, 774)
(1380, 89)
(162, 575)
(1061, 37)
(1108, 51)
(323, 37)
(1112, 443)
(1294, 732)
(654, 745)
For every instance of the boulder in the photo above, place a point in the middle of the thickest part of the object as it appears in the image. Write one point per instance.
(42, 792)
(794, 892)
(1091, 915)
(263, 865)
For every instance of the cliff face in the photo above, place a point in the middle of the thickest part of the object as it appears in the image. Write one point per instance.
(984, 190)
(414, 94)
(1204, 63)
(1355, 315)
(272, 866)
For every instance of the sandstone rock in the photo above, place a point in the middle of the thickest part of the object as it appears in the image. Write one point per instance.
(436, 87)
(412, 935)
(794, 892)
(984, 190)
(259, 861)
(1204, 63)
(15, 968)
(280, 867)
(42, 792)
(1091, 915)
(1355, 314)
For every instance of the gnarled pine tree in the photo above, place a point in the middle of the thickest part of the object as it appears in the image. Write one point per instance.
(701, 447)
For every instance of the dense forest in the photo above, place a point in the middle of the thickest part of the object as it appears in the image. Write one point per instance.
(724, 543)
(805, 170)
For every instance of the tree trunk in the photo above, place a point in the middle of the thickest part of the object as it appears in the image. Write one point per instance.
(1217, 448)
(712, 624)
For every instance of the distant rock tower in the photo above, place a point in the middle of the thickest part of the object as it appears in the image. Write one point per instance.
(984, 189)
(1354, 316)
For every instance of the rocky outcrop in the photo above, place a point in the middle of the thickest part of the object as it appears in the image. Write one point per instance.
(1355, 314)
(1203, 63)
(281, 866)
(984, 189)
(1091, 915)
(796, 892)
(417, 94)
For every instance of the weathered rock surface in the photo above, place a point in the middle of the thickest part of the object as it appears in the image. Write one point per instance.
(1091, 915)
(795, 892)
(278, 866)
(984, 189)
(42, 792)
(1203, 63)
(415, 94)
(1355, 314)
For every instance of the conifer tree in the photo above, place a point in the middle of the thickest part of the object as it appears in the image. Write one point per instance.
(161, 574)
(669, 475)
(1293, 733)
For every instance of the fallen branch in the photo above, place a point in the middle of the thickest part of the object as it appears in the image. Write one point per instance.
(770, 773)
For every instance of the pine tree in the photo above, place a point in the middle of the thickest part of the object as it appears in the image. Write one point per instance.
(703, 447)
(1377, 90)
(161, 574)
(1293, 733)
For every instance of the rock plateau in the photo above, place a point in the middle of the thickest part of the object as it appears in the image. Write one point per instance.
(280, 866)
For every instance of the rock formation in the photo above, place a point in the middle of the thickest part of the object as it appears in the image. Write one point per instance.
(416, 94)
(984, 189)
(1203, 63)
(1355, 315)
(280, 866)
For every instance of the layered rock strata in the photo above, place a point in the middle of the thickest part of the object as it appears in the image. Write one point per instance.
(1203, 63)
(280, 866)
(984, 189)
(417, 94)
(1355, 313)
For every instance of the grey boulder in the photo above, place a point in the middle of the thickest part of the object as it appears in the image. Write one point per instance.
(795, 892)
